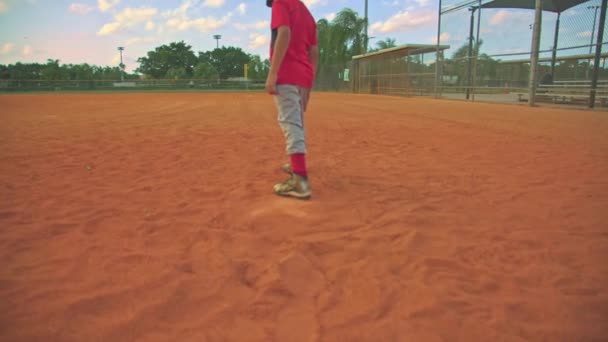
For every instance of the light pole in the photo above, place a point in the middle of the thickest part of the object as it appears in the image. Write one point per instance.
(122, 66)
(470, 52)
(595, 7)
(217, 37)
(366, 27)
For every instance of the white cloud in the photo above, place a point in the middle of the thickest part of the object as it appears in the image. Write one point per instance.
(214, 3)
(105, 5)
(447, 38)
(3, 7)
(403, 21)
(150, 25)
(262, 24)
(200, 24)
(109, 29)
(131, 16)
(81, 9)
(509, 50)
(500, 17)
(572, 13)
(443, 38)
(179, 19)
(181, 10)
(115, 59)
(518, 20)
(242, 8)
(127, 18)
(422, 2)
(258, 40)
(391, 3)
(139, 40)
(255, 26)
(311, 3)
(7, 48)
(330, 16)
(586, 34)
(27, 51)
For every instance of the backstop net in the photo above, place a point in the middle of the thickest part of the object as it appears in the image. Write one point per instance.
(490, 48)
(403, 71)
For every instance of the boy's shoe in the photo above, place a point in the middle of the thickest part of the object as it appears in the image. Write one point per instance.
(287, 168)
(296, 186)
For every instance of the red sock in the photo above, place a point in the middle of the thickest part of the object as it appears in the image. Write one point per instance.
(298, 164)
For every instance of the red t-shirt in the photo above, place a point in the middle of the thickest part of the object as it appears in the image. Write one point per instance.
(296, 69)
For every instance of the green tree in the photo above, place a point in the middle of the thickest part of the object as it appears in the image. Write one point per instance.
(31, 71)
(258, 69)
(205, 71)
(386, 44)
(175, 55)
(4, 72)
(51, 70)
(228, 61)
(459, 64)
(339, 41)
(176, 73)
(107, 73)
(77, 71)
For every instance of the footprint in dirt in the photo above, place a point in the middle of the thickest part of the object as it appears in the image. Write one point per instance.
(281, 207)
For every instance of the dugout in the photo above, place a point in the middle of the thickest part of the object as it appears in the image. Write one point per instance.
(403, 70)
(515, 73)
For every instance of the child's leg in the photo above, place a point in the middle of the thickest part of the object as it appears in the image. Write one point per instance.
(291, 104)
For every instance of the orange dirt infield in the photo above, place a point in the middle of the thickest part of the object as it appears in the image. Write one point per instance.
(150, 217)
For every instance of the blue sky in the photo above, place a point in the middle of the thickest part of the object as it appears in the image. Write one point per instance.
(76, 31)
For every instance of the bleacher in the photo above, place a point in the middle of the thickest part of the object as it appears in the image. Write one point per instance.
(569, 92)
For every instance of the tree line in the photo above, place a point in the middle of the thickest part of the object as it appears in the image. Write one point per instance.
(53, 70)
(173, 61)
(339, 40)
(178, 61)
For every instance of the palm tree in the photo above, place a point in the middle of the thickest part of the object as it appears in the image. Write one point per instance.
(339, 41)
(460, 61)
(386, 44)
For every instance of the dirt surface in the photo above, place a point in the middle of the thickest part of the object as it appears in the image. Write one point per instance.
(150, 217)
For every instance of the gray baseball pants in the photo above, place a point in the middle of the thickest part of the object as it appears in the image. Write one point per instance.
(291, 102)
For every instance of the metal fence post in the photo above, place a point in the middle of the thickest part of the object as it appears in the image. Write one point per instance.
(470, 53)
(477, 48)
(535, 47)
(598, 54)
(437, 52)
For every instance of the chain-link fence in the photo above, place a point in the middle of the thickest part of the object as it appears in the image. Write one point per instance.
(405, 70)
(334, 77)
(131, 85)
(490, 54)
(485, 55)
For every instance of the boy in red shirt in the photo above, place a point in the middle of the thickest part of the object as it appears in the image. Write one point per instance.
(294, 56)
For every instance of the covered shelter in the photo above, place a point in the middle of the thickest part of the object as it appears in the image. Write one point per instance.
(555, 6)
(400, 70)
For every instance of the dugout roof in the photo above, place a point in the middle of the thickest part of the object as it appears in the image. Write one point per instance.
(549, 59)
(404, 50)
(557, 6)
